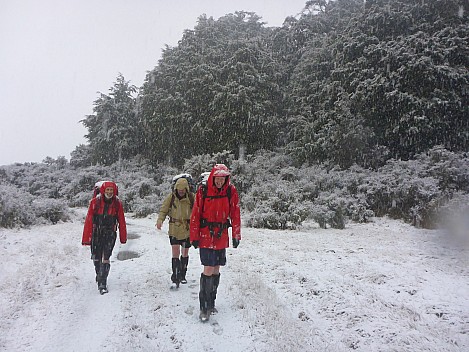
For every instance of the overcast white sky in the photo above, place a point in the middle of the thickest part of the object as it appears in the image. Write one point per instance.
(56, 55)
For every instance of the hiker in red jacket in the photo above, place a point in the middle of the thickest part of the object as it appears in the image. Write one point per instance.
(216, 208)
(100, 232)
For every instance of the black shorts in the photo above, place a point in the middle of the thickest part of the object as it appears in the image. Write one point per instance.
(212, 257)
(184, 243)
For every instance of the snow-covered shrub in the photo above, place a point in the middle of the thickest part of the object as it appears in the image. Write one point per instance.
(336, 210)
(52, 210)
(359, 211)
(321, 214)
(79, 190)
(15, 207)
(334, 196)
(19, 208)
(401, 190)
(431, 182)
(243, 176)
(263, 167)
(144, 198)
(273, 206)
(197, 164)
(143, 207)
(269, 200)
(269, 216)
(450, 169)
(142, 187)
(274, 193)
(282, 196)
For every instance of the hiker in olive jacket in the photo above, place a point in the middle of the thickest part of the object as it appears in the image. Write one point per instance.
(178, 206)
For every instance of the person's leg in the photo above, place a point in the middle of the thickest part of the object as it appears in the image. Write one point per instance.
(175, 262)
(175, 250)
(209, 270)
(220, 261)
(96, 253)
(216, 282)
(207, 258)
(206, 287)
(185, 252)
(110, 241)
(185, 245)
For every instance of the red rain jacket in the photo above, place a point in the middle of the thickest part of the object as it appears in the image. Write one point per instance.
(96, 209)
(212, 212)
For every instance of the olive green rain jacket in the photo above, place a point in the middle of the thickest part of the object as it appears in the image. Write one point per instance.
(179, 211)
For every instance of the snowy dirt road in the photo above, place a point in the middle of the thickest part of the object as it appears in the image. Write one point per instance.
(377, 287)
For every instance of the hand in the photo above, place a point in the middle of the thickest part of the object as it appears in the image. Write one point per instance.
(159, 224)
(195, 244)
(235, 243)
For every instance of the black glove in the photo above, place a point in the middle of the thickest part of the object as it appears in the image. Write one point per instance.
(195, 244)
(235, 243)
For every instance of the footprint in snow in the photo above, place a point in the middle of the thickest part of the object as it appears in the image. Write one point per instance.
(217, 329)
(189, 310)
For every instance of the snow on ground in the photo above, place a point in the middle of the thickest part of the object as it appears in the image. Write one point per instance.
(383, 286)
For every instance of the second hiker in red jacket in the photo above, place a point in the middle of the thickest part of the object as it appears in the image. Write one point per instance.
(216, 208)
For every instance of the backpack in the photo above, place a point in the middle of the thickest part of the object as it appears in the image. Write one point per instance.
(202, 180)
(97, 188)
(189, 179)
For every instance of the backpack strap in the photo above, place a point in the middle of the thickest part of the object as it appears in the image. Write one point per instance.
(205, 190)
(171, 203)
(191, 199)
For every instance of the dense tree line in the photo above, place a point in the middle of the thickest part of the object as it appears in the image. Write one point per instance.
(347, 82)
(392, 81)
(218, 89)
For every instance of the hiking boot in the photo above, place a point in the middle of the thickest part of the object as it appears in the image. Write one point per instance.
(176, 266)
(184, 261)
(97, 267)
(174, 278)
(101, 278)
(102, 287)
(213, 293)
(206, 286)
(204, 315)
